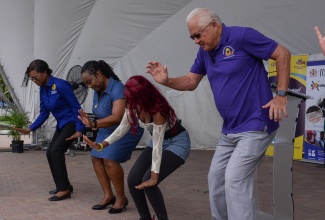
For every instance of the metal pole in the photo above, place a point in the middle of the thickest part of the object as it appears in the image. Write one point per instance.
(15, 106)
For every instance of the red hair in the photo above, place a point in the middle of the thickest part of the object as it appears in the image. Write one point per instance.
(139, 91)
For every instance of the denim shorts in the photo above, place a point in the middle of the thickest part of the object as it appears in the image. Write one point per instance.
(179, 145)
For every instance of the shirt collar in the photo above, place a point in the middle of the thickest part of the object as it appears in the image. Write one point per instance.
(50, 82)
(109, 88)
(224, 36)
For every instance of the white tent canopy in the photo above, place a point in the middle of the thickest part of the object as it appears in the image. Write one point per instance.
(127, 34)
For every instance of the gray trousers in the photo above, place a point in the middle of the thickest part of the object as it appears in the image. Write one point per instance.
(231, 174)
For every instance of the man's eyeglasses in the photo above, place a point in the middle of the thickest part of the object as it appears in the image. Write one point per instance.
(34, 78)
(198, 35)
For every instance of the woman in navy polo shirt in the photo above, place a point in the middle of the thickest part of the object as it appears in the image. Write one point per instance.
(108, 106)
(56, 97)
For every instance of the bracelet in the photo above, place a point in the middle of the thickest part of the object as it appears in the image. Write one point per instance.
(95, 123)
(101, 147)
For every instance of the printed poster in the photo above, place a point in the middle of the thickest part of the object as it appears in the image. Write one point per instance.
(315, 112)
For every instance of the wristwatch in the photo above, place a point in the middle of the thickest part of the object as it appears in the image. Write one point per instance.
(281, 93)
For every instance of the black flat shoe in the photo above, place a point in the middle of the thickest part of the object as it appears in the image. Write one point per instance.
(59, 198)
(115, 211)
(55, 191)
(101, 207)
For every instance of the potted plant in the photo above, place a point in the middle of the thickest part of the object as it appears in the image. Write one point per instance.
(11, 120)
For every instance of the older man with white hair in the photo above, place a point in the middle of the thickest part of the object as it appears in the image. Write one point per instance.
(232, 58)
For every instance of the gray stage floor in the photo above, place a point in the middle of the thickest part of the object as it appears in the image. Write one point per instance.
(25, 181)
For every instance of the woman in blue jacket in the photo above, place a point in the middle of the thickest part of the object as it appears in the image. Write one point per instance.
(56, 97)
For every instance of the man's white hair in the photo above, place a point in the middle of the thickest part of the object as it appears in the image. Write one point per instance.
(205, 15)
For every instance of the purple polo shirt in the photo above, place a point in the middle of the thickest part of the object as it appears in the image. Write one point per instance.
(238, 78)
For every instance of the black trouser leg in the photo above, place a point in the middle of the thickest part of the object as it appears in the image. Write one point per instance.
(140, 172)
(56, 155)
(140, 167)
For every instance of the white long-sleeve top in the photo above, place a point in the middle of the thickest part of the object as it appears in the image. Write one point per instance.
(158, 132)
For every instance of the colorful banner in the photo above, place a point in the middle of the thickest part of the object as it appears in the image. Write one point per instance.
(297, 83)
(315, 112)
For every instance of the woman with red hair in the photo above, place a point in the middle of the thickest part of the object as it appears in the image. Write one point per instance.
(168, 149)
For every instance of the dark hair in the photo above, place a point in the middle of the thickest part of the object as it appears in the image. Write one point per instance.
(91, 67)
(139, 91)
(38, 65)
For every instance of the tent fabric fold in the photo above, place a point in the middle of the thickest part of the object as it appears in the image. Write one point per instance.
(127, 34)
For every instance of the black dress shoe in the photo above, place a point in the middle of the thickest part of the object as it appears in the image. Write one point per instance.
(58, 198)
(101, 207)
(55, 191)
(115, 211)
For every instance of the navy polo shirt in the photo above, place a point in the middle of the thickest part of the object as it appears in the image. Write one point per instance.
(238, 78)
(103, 106)
(57, 97)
